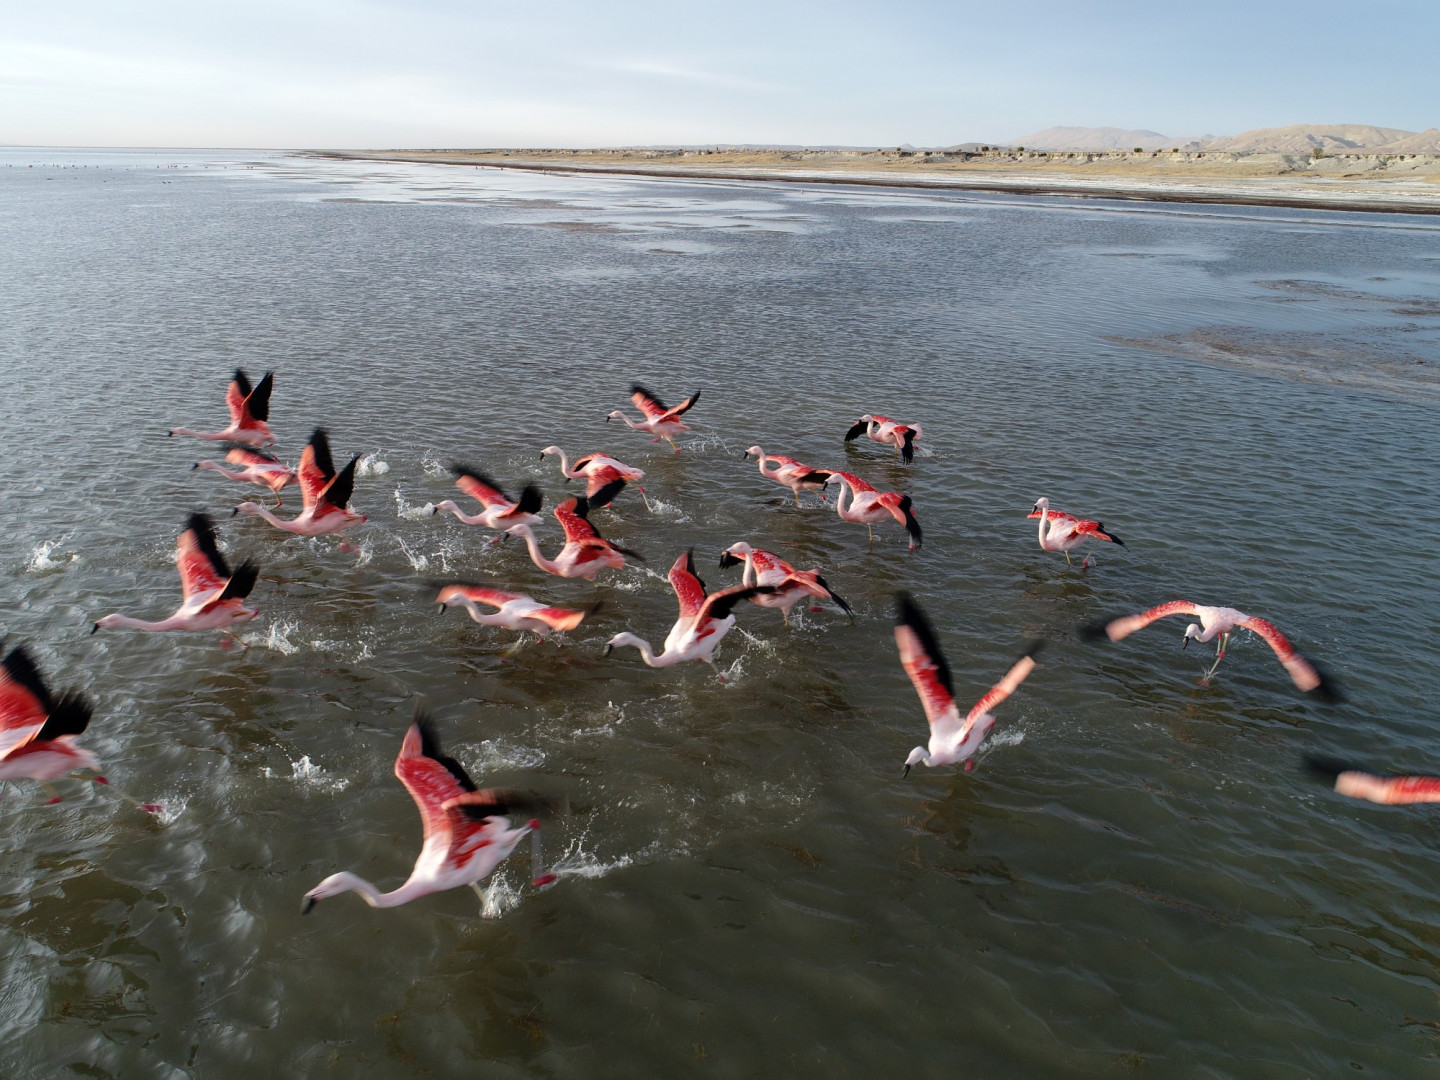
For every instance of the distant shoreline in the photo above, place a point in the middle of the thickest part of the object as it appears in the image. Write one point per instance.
(1370, 186)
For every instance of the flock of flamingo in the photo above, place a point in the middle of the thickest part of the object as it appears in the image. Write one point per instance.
(468, 830)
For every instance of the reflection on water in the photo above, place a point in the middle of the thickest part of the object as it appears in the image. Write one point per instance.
(1133, 876)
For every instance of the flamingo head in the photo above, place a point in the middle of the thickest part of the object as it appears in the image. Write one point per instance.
(619, 640)
(106, 622)
(616, 415)
(246, 508)
(333, 885)
(1041, 503)
(518, 529)
(917, 755)
(1191, 631)
(555, 449)
(735, 553)
(754, 451)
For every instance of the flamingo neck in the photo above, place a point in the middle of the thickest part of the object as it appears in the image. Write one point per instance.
(173, 622)
(449, 504)
(1044, 522)
(375, 898)
(565, 469)
(536, 555)
(647, 653)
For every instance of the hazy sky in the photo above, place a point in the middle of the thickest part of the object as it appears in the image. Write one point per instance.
(375, 73)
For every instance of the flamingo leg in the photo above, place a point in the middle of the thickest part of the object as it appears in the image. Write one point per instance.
(672, 443)
(149, 808)
(1067, 559)
(786, 616)
(797, 495)
(235, 639)
(718, 674)
(872, 531)
(50, 790)
(645, 497)
(1220, 648)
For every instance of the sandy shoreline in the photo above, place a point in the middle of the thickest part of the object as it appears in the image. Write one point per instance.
(1391, 184)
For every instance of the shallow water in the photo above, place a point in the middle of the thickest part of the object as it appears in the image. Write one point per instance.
(1135, 878)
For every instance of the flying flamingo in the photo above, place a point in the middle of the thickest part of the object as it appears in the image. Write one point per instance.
(499, 510)
(516, 610)
(1390, 790)
(259, 468)
(467, 832)
(882, 429)
(585, 553)
(791, 473)
(868, 506)
(324, 494)
(660, 421)
(952, 740)
(605, 477)
(1219, 623)
(38, 732)
(703, 621)
(213, 596)
(1065, 532)
(766, 568)
(249, 409)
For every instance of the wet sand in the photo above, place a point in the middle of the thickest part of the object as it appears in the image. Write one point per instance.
(1408, 184)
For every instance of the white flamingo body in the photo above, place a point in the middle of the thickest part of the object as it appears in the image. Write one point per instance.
(704, 619)
(659, 420)
(786, 471)
(790, 585)
(867, 506)
(604, 476)
(467, 832)
(213, 597)
(882, 429)
(257, 467)
(324, 494)
(498, 510)
(1066, 532)
(514, 611)
(952, 739)
(585, 553)
(249, 409)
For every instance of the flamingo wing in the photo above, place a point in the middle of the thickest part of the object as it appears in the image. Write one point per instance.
(495, 598)
(257, 401)
(1306, 676)
(202, 567)
(480, 487)
(1004, 688)
(24, 700)
(689, 589)
(571, 516)
(557, 618)
(856, 430)
(684, 407)
(431, 778)
(1097, 530)
(603, 485)
(244, 454)
(1389, 790)
(923, 661)
(316, 469)
(647, 403)
(337, 493)
(720, 604)
(235, 395)
(856, 484)
(1118, 629)
(901, 509)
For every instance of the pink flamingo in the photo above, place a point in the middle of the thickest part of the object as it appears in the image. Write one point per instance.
(1389, 790)
(868, 506)
(765, 568)
(585, 553)
(467, 832)
(703, 620)
(1219, 623)
(213, 596)
(499, 511)
(660, 421)
(790, 473)
(38, 732)
(324, 494)
(1065, 532)
(952, 740)
(249, 409)
(605, 477)
(882, 429)
(516, 611)
(259, 468)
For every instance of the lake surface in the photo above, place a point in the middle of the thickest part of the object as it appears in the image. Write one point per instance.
(1135, 880)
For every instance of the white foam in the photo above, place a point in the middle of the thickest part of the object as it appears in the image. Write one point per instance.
(277, 639)
(364, 553)
(417, 561)
(171, 807)
(41, 561)
(311, 775)
(372, 465)
(500, 897)
(494, 754)
(406, 512)
(1009, 737)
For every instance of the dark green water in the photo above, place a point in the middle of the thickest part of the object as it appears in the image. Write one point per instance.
(1134, 881)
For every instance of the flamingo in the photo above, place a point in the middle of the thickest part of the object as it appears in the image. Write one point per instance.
(249, 409)
(605, 477)
(703, 620)
(1389, 790)
(213, 596)
(766, 568)
(498, 510)
(1065, 532)
(324, 494)
(467, 832)
(951, 739)
(882, 429)
(259, 468)
(1219, 623)
(791, 473)
(868, 506)
(516, 610)
(585, 553)
(660, 420)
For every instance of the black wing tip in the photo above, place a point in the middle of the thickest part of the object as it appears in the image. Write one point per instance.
(690, 568)
(203, 527)
(856, 430)
(20, 665)
(430, 747)
(907, 451)
(582, 507)
(840, 600)
(909, 614)
(1093, 631)
(242, 380)
(342, 487)
(604, 496)
(242, 581)
(258, 400)
(1033, 648)
(531, 499)
(68, 716)
(1328, 690)
(727, 560)
(1326, 769)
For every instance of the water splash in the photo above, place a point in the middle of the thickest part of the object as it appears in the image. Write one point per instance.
(406, 512)
(41, 561)
(277, 639)
(364, 553)
(500, 897)
(372, 465)
(309, 774)
(495, 754)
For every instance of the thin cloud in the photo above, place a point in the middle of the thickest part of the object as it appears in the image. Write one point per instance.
(691, 75)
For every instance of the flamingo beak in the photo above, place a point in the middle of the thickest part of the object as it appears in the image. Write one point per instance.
(906, 773)
(608, 650)
(194, 466)
(1184, 643)
(94, 627)
(235, 511)
(440, 609)
(308, 906)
